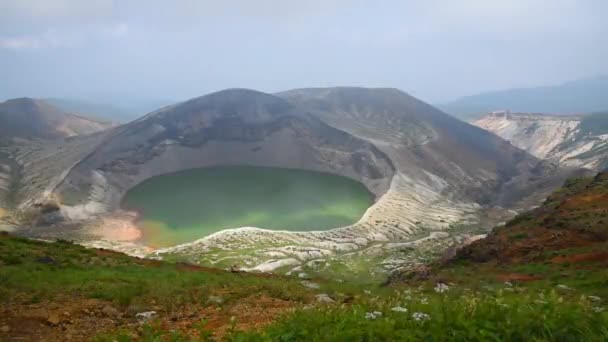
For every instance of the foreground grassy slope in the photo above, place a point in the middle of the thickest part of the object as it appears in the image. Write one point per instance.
(542, 277)
(59, 291)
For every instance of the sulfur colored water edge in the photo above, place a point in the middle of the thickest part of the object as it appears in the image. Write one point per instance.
(187, 205)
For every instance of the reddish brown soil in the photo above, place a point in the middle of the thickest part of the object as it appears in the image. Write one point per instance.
(516, 277)
(574, 217)
(599, 256)
(80, 319)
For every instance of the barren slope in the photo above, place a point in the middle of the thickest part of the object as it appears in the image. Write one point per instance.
(30, 118)
(38, 144)
(578, 141)
(232, 127)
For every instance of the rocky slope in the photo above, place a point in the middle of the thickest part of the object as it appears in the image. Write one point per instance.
(38, 144)
(447, 172)
(30, 118)
(225, 128)
(431, 174)
(573, 218)
(577, 141)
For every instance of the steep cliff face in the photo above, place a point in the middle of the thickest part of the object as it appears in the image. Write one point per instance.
(577, 141)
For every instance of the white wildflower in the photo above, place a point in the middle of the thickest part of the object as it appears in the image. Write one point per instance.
(420, 316)
(441, 288)
(373, 315)
(424, 300)
(594, 298)
(399, 309)
(597, 309)
(367, 292)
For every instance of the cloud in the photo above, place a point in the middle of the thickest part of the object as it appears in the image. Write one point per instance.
(115, 30)
(48, 39)
(19, 43)
(52, 38)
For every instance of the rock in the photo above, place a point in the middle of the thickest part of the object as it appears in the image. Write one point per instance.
(143, 317)
(47, 260)
(54, 319)
(215, 300)
(324, 298)
(110, 311)
(50, 218)
(310, 284)
(40, 314)
(418, 273)
(5, 329)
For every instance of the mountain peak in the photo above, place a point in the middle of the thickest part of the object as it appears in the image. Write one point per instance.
(33, 118)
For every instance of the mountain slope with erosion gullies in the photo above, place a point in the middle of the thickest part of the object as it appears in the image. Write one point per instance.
(426, 144)
(38, 144)
(446, 170)
(232, 127)
(436, 179)
(562, 244)
(575, 141)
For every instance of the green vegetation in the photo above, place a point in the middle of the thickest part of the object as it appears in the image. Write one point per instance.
(188, 205)
(541, 278)
(475, 305)
(494, 315)
(41, 270)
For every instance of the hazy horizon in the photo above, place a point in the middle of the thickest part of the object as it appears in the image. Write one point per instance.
(115, 51)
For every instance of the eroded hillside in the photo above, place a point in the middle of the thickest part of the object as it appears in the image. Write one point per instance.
(541, 277)
(38, 145)
(578, 141)
(435, 178)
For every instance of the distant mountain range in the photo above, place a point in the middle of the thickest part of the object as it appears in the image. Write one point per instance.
(576, 97)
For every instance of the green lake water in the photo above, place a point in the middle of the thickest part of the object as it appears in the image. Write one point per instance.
(188, 205)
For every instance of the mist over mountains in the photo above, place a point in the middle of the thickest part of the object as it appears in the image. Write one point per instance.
(575, 97)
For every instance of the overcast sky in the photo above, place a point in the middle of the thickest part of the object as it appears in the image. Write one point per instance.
(434, 49)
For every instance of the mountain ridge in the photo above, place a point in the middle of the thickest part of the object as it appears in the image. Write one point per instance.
(28, 117)
(580, 96)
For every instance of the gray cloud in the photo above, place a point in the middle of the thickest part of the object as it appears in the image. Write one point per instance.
(436, 49)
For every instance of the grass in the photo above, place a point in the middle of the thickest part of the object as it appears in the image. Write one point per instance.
(494, 315)
(476, 307)
(502, 313)
(121, 279)
(547, 282)
(188, 205)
